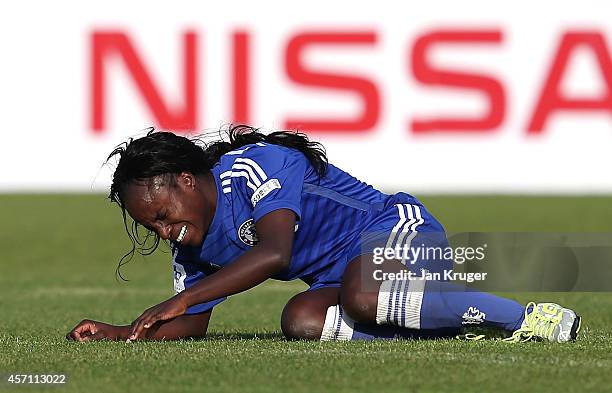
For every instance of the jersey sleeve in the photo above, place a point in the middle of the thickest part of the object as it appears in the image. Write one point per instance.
(269, 177)
(187, 273)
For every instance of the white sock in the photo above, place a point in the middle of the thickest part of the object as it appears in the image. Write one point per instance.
(399, 303)
(338, 326)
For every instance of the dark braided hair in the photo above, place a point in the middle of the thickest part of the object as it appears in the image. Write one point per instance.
(166, 154)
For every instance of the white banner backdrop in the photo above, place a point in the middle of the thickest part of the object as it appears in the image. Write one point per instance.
(439, 96)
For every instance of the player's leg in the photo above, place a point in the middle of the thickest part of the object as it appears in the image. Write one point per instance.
(396, 242)
(316, 315)
(420, 304)
(304, 314)
(430, 305)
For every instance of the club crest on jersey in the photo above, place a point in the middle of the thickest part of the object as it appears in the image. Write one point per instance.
(473, 316)
(247, 234)
(179, 276)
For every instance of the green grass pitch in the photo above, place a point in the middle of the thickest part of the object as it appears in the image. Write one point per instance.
(59, 253)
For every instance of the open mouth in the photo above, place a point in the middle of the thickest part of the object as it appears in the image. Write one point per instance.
(182, 233)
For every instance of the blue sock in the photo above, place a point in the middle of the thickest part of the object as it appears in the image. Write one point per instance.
(339, 327)
(425, 305)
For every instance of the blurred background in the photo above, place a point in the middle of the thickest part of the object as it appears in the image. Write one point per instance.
(443, 97)
(496, 114)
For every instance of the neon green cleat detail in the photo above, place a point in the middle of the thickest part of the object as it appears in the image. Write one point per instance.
(547, 321)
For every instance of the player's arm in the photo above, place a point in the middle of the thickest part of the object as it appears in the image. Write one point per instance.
(184, 326)
(272, 254)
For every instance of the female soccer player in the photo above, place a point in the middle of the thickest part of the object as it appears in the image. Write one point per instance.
(260, 206)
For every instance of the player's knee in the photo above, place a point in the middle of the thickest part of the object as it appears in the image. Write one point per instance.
(357, 305)
(302, 320)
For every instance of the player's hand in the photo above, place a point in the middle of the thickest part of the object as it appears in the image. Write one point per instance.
(88, 330)
(171, 308)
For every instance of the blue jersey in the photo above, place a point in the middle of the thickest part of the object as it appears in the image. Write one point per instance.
(337, 219)
(331, 214)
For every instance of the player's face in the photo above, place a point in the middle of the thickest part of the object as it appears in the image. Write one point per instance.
(176, 211)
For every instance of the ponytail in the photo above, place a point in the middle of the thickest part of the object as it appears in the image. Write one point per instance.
(241, 135)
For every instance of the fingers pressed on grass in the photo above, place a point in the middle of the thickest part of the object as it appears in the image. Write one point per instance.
(136, 330)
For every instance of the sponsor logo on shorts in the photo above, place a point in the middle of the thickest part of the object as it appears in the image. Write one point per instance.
(473, 316)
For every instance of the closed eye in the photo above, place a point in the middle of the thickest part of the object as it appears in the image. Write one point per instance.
(161, 216)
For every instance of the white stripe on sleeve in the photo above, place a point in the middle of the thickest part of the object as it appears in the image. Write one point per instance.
(246, 176)
(255, 166)
(252, 177)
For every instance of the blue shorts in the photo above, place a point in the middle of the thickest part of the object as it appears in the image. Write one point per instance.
(402, 224)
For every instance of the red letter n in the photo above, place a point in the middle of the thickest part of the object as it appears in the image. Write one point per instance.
(105, 45)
